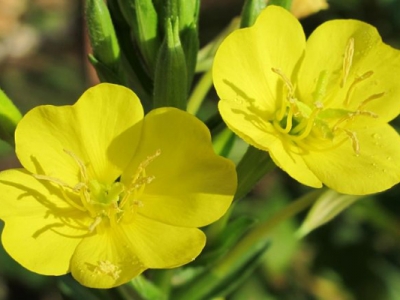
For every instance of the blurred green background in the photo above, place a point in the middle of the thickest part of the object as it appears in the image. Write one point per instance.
(43, 48)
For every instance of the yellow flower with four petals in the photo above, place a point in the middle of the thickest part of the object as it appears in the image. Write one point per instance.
(106, 193)
(320, 107)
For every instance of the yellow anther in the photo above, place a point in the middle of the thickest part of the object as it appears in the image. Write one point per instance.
(369, 99)
(354, 140)
(347, 61)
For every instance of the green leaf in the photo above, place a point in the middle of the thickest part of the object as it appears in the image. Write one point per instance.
(328, 206)
(225, 241)
(72, 290)
(222, 278)
(146, 289)
(9, 117)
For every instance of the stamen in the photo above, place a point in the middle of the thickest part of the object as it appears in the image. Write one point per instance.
(282, 110)
(286, 80)
(139, 180)
(63, 185)
(310, 124)
(356, 81)
(347, 61)
(80, 163)
(53, 180)
(96, 222)
(370, 98)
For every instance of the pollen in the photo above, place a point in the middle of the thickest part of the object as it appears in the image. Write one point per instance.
(107, 268)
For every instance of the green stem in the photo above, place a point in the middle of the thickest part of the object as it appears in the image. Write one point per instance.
(263, 230)
(200, 92)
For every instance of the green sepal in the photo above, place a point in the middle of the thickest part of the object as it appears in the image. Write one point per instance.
(170, 81)
(250, 12)
(223, 277)
(9, 117)
(102, 35)
(142, 18)
(252, 167)
(146, 289)
(104, 72)
(327, 206)
(283, 3)
(224, 241)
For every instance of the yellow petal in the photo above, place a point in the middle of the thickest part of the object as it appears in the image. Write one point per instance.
(105, 260)
(163, 246)
(99, 130)
(261, 134)
(41, 230)
(368, 57)
(192, 186)
(375, 169)
(242, 66)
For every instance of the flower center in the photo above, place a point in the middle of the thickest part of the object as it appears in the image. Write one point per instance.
(106, 204)
(315, 127)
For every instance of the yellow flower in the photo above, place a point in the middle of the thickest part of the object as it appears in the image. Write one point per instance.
(320, 108)
(105, 193)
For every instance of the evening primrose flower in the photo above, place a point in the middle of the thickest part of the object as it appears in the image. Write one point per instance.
(105, 193)
(320, 108)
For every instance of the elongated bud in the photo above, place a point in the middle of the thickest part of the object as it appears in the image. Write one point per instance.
(101, 33)
(188, 12)
(170, 81)
(143, 21)
(250, 12)
(9, 117)
(106, 52)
